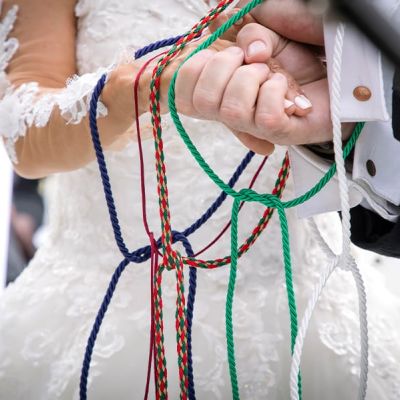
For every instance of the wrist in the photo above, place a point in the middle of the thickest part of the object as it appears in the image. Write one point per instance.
(118, 95)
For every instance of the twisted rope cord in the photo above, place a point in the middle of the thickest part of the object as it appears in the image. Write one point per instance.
(345, 260)
(171, 259)
(156, 46)
(337, 143)
(144, 253)
(96, 328)
(103, 168)
(297, 353)
(227, 226)
(162, 187)
(271, 199)
(280, 185)
(252, 196)
(229, 301)
(328, 177)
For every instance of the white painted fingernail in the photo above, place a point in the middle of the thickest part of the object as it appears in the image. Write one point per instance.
(302, 102)
(287, 104)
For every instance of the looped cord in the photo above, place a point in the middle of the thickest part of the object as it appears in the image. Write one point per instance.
(344, 260)
(142, 254)
(167, 237)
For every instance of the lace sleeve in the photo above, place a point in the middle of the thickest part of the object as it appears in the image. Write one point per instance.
(23, 107)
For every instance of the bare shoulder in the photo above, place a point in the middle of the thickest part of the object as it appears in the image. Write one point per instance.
(46, 31)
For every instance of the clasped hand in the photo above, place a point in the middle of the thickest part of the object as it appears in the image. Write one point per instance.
(267, 89)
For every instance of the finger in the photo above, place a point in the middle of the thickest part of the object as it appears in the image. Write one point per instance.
(291, 19)
(296, 102)
(239, 100)
(259, 43)
(213, 79)
(270, 117)
(187, 79)
(257, 145)
(317, 126)
(231, 33)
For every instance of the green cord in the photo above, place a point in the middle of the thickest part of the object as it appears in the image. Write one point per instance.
(229, 301)
(248, 195)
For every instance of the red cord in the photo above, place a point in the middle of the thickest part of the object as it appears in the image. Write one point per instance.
(154, 249)
(226, 227)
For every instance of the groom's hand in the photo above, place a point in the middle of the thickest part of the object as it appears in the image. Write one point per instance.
(253, 100)
(220, 86)
(290, 18)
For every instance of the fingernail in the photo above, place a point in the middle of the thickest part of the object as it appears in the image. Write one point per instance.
(302, 102)
(256, 47)
(287, 104)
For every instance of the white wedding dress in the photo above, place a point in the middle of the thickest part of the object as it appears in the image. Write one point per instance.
(47, 314)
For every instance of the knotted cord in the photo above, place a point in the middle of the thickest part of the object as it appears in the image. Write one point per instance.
(344, 260)
(249, 195)
(143, 253)
(171, 258)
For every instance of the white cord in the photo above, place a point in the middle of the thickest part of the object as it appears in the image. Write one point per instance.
(302, 332)
(345, 260)
(337, 143)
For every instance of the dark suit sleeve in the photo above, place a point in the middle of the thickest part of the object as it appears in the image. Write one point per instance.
(369, 230)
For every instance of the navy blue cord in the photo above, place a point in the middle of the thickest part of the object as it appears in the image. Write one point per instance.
(103, 167)
(96, 327)
(142, 254)
(157, 45)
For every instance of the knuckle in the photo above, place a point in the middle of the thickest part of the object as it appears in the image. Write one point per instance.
(233, 113)
(271, 126)
(206, 102)
(184, 106)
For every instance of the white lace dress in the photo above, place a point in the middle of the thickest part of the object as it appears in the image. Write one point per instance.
(47, 314)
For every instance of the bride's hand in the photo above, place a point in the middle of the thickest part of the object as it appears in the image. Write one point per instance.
(258, 99)
(119, 89)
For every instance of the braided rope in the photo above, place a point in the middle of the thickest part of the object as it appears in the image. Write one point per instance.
(271, 201)
(171, 259)
(189, 311)
(142, 254)
(249, 195)
(280, 185)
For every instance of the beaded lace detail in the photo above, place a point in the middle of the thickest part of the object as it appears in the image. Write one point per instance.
(22, 107)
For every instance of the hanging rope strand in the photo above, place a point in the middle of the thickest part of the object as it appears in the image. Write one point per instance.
(344, 261)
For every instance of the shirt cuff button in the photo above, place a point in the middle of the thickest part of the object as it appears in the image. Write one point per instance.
(371, 168)
(362, 93)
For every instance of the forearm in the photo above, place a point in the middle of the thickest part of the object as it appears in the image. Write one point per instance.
(64, 142)
(43, 122)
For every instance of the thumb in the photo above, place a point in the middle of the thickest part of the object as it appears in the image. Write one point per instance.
(259, 43)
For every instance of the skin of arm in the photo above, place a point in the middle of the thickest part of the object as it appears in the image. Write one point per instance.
(46, 31)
